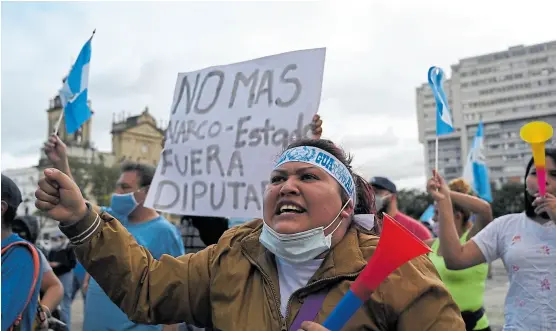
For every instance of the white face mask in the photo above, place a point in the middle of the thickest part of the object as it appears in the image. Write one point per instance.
(302, 246)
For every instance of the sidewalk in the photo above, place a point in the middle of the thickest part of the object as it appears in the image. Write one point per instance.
(495, 294)
(77, 313)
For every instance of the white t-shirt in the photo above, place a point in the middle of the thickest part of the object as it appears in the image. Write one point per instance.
(293, 277)
(528, 250)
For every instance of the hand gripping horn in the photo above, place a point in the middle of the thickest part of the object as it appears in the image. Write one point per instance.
(396, 246)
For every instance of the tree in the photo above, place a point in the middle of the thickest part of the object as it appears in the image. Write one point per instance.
(79, 170)
(413, 202)
(95, 180)
(103, 180)
(508, 199)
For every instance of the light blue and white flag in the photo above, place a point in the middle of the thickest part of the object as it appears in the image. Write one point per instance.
(444, 123)
(427, 214)
(476, 170)
(74, 92)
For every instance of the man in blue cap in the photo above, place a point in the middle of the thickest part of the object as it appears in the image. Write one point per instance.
(386, 201)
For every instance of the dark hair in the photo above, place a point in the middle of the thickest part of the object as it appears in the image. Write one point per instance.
(8, 217)
(145, 172)
(465, 213)
(210, 228)
(365, 194)
(528, 199)
(28, 224)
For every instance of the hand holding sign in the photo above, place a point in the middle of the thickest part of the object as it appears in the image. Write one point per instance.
(537, 134)
(316, 127)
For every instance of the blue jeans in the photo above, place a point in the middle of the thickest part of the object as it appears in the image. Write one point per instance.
(77, 286)
(65, 306)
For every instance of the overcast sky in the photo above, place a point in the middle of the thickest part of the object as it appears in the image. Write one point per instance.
(378, 52)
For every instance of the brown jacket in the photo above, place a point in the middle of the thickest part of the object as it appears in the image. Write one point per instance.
(233, 285)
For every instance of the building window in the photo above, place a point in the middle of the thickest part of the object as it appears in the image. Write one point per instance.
(519, 52)
(538, 60)
(536, 49)
(501, 56)
(492, 136)
(493, 126)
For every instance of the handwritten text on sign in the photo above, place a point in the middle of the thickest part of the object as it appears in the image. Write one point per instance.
(227, 126)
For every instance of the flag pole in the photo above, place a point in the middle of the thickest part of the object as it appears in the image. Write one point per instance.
(57, 127)
(58, 123)
(436, 154)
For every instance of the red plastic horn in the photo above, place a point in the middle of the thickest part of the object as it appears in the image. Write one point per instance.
(396, 246)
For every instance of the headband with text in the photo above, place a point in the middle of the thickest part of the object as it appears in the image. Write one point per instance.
(324, 160)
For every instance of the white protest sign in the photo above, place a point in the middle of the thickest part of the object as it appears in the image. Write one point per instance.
(228, 124)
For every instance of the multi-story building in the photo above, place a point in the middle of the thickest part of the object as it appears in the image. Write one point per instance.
(505, 90)
(26, 180)
(137, 138)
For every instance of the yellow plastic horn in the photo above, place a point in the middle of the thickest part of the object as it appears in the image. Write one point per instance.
(537, 134)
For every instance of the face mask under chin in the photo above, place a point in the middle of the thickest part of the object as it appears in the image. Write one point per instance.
(302, 246)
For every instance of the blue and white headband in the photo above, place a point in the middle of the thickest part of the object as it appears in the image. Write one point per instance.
(323, 160)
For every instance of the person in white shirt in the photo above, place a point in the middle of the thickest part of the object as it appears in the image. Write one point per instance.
(526, 243)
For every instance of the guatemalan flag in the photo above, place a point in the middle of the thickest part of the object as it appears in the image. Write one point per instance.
(476, 170)
(74, 92)
(427, 214)
(444, 123)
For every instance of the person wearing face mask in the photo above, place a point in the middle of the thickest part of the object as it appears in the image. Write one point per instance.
(525, 242)
(277, 273)
(386, 202)
(146, 225)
